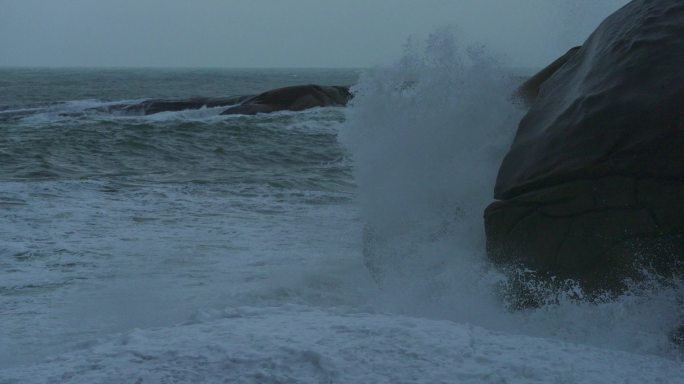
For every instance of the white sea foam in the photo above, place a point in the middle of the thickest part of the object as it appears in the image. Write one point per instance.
(297, 344)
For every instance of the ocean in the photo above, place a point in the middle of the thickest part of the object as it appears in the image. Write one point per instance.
(332, 245)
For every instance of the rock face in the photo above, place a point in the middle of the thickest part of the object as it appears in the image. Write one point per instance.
(529, 91)
(593, 184)
(295, 98)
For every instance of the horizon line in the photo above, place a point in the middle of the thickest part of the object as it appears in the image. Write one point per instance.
(166, 67)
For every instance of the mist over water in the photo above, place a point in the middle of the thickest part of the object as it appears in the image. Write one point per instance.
(427, 136)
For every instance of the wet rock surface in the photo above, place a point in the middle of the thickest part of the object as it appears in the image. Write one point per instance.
(598, 232)
(592, 188)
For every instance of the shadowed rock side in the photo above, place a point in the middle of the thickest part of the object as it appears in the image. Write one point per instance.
(296, 98)
(593, 185)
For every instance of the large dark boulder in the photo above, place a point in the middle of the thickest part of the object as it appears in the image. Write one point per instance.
(592, 188)
(295, 98)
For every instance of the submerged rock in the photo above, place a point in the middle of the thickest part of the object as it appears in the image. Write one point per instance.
(593, 185)
(296, 98)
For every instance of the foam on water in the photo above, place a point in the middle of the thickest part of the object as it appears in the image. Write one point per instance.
(298, 344)
(146, 221)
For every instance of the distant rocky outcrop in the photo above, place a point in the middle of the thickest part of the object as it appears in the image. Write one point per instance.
(152, 106)
(296, 98)
(593, 185)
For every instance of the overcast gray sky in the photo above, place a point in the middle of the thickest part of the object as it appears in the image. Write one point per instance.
(281, 33)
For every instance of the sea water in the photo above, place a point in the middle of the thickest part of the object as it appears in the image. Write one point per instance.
(333, 245)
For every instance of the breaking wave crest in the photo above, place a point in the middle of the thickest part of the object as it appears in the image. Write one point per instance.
(428, 135)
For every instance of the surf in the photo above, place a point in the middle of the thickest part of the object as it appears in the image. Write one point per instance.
(427, 136)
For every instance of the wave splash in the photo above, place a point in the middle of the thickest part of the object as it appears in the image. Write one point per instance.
(428, 135)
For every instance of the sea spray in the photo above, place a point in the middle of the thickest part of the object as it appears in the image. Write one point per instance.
(427, 135)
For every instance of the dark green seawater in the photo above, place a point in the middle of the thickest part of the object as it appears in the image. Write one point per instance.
(110, 222)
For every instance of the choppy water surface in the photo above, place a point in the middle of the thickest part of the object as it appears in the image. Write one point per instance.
(193, 247)
(111, 222)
